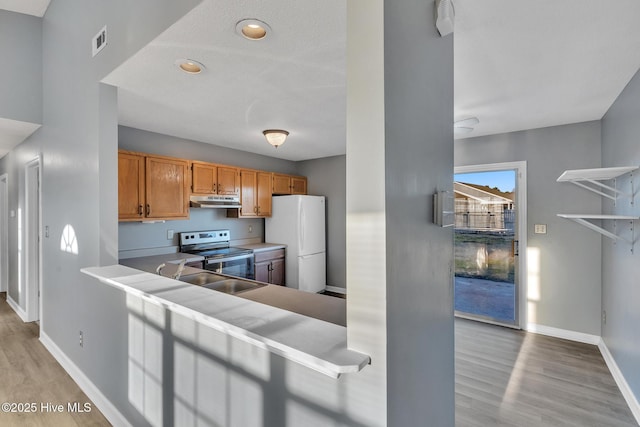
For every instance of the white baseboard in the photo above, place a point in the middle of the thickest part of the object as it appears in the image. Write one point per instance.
(19, 311)
(336, 289)
(563, 333)
(105, 406)
(620, 381)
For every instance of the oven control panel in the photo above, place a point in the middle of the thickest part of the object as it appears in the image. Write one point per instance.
(199, 237)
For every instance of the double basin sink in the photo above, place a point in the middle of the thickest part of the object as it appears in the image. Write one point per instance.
(220, 283)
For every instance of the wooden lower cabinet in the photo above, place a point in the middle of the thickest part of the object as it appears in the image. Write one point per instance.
(269, 266)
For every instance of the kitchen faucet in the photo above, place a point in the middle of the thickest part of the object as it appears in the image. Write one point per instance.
(178, 273)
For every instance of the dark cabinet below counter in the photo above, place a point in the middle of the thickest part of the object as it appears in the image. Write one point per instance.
(269, 266)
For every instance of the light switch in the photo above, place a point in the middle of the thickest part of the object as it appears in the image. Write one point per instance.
(540, 228)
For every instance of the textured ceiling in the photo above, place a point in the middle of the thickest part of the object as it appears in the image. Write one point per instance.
(538, 63)
(293, 80)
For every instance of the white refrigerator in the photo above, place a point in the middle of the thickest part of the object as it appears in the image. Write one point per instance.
(298, 222)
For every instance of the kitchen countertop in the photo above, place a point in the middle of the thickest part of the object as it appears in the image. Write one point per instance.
(315, 343)
(259, 247)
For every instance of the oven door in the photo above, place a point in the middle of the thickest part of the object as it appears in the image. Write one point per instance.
(239, 266)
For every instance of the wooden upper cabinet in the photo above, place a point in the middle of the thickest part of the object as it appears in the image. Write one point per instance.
(167, 188)
(248, 180)
(255, 193)
(289, 184)
(298, 185)
(263, 193)
(152, 187)
(281, 184)
(209, 178)
(131, 200)
(228, 180)
(203, 178)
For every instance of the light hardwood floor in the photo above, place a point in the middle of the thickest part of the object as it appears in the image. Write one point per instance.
(29, 374)
(506, 377)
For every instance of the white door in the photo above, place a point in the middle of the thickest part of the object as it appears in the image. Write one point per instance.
(312, 272)
(312, 225)
(489, 279)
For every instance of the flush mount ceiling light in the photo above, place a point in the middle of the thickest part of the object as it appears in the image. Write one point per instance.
(253, 29)
(465, 126)
(275, 137)
(190, 66)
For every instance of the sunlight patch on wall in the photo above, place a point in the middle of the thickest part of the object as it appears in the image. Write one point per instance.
(20, 256)
(68, 240)
(145, 380)
(533, 283)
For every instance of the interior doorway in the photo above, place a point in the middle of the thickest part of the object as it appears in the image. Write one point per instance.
(33, 249)
(490, 230)
(4, 233)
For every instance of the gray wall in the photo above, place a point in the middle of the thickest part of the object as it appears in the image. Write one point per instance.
(21, 72)
(156, 143)
(327, 177)
(569, 270)
(418, 153)
(621, 268)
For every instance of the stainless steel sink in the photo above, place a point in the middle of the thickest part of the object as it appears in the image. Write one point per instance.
(233, 286)
(202, 278)
(220, 283)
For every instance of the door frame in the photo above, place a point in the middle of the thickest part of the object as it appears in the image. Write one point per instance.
(520, 167)
(33, 240)
(4, 232)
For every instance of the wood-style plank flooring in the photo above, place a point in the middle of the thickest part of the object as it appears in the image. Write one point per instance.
(506, 377)
(28, 373)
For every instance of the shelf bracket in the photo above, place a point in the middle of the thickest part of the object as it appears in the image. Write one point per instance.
(604, 232)
(613, 196)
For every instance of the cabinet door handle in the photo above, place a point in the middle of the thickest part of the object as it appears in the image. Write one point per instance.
(140, 210)
(148, 209)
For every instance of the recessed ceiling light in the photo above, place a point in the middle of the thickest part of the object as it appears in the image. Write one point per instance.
(252, 29)
(190, 66)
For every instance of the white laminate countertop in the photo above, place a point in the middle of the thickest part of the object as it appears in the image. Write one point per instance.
(259, 247)
(314, 343)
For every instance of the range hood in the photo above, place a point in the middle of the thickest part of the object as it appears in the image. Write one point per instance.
(215, 201)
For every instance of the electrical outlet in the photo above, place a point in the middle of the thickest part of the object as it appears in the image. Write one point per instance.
(169, 234)
(604, 317)
(81, 339)
(250, 229)
(540, 229)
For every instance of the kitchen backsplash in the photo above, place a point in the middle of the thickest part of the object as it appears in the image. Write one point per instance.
(142, 239)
